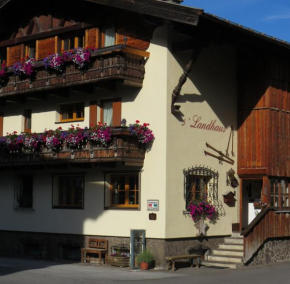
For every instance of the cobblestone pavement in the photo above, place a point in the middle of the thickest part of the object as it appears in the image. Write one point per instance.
(27, 271)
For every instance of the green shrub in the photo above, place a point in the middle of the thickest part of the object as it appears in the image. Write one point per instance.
(145, 256)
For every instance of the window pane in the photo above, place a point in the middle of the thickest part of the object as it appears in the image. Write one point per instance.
(108, 112)
(81, 41)
(27, 119)
(110, 36)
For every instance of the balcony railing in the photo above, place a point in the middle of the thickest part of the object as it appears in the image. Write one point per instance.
(112, 63)
(123, 148)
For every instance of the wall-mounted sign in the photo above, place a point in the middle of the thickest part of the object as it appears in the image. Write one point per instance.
(197, 123)
(152, 205)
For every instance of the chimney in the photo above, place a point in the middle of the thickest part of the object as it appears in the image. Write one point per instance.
(173, 1)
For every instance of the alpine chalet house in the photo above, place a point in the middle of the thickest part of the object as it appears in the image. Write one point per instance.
(118, 117)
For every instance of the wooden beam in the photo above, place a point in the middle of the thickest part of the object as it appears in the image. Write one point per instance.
(86, 88)
(38, 25)
(37, 96)
(61, 23)
(16, 100)
(45, 34)
(30, 28)
(63, 92)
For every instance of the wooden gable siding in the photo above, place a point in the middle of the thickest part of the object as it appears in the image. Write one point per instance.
(264, 115)
(40, 24)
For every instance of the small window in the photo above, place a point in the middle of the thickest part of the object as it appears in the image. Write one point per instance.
(72, 112)
(27, 120)
(123, 190)
(73, 42)
(111, 112)
(30, 50)
(109, 36)
(68, 191)
(3, 55)
(200, 183)
(23, 192)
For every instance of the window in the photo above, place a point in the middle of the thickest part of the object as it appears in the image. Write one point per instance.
(111, 112)
(73, 42)
(122, 190)
(23, 192)
(30, 50)
(72, 112)
(3, 55)
(280, 193)
(200, 183)
(108, 36)
(27, 120)
(68, 191)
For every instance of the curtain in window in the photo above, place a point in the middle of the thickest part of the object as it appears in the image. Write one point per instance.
(108, 112)
(110, 36)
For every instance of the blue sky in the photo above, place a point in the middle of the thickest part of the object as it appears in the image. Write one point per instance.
(271, 17)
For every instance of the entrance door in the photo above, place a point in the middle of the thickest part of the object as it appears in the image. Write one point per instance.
(251, 195)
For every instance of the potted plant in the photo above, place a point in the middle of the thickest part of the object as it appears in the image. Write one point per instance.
(145, 259)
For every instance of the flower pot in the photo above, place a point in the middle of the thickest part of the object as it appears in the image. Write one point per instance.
(144, 265)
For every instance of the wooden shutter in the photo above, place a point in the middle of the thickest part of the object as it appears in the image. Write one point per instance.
(15, 54)
(1, 124)
(92, 38)
(45, 47)
(93, 113)
(117, 108)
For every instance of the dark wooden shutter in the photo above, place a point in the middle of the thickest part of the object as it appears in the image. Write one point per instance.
(1, 124)
(93, 113)
(92, 38)
(15, 54)
(45, 47)
(117, 112)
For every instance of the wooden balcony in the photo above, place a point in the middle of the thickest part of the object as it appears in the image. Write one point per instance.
(123, 148)
(112, 63)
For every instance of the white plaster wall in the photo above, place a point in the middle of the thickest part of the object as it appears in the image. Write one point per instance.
(147, 105)
(211, 93)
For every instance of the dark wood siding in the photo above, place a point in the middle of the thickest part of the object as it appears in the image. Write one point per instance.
(264, 115)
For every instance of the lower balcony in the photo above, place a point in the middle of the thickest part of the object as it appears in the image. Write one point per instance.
(123, 148)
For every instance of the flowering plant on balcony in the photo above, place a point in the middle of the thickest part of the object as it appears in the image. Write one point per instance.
(74, 137)
(81, 57)
(100, 134)
(3, 69)
(25, 68)
(144, 134)
(202, 209)
(52, 139)
(13, 142)
(54, 62)
(30, 142)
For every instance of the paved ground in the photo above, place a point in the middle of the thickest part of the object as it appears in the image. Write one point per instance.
(27, 271)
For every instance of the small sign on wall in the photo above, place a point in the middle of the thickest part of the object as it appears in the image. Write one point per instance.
(152, 205)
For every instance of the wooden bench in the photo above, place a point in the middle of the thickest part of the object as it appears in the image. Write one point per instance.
(96, 246)
(171, 260)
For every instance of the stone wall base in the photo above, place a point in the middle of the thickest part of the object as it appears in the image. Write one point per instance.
(67, 246)
(272, 251)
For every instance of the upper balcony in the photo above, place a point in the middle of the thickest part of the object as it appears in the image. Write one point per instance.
(119, 62)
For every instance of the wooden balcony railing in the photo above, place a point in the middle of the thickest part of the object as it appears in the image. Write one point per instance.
(123, 148)
(271, 222)
(112, 63)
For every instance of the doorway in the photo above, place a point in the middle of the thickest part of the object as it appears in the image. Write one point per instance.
(251, 197)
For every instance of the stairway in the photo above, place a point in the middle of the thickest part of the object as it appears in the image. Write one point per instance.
(229, 254)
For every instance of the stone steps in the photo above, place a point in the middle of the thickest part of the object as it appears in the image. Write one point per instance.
(229, 254)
